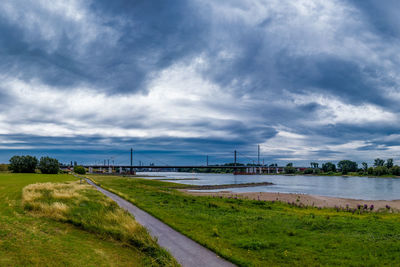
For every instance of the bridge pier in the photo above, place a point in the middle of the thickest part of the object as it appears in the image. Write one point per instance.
(109, 170)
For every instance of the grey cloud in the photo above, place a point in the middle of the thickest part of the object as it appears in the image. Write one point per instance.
(135, 40)
(151, 37)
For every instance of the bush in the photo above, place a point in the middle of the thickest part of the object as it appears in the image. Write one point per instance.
(49, 165)
(308, 171)
(370, 170)
(317, 171)
(79, 170)
(23, 164)
(3, 167)
(381, 170)
(290, 169)
(395, 170)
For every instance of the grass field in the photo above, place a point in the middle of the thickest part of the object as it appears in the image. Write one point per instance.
(255, 233)
(59, 224)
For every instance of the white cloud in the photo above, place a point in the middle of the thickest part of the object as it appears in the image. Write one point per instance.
(334, 111)
(172, 98)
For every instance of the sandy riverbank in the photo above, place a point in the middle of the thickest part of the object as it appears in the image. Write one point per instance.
(310, 200)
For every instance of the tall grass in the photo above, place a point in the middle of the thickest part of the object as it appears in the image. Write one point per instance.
(268, 233)
(85, 207)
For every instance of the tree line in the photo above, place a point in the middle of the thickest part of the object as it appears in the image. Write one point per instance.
(379, 168)
(29, 164)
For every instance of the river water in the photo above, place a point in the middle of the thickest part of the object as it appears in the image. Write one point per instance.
(333, 186)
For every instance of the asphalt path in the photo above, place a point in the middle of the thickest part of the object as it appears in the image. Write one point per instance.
(187, 252)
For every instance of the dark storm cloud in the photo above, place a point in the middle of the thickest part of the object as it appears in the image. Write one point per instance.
(334, 76)
(383, 18)
(162, 150)
(261, 62)
(136, 39)
(28, 58)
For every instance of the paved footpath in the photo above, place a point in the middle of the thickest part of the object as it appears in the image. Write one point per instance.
(187, 252)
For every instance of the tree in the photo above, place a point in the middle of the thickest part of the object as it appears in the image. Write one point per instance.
(79, 170)
(379, 162)
(389, 163)
(289, 165)
(23, 164)
(328, 167)
(49, 165)
(365, 166)
(314, 164)
(347, 166)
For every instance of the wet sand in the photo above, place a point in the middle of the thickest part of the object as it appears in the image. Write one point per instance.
(307, 200)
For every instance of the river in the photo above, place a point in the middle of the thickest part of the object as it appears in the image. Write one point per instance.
(333, 186)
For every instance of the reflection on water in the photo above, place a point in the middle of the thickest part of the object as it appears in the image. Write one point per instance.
(333, 186)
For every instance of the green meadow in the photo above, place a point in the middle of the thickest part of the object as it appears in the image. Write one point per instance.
(258, 233)
(60, 222)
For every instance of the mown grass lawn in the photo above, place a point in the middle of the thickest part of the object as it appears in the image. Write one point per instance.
(31, 237)
(257, 233)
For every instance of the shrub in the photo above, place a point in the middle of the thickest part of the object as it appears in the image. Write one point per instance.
(290, 169)
(3, 167)
(308, 171)
(79, 170)
(49, 165)
(23, 164)
(395, 170)
(370, 170)
(381, 170)
(317, 171)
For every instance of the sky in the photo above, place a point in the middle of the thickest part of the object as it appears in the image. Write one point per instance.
(307, 80)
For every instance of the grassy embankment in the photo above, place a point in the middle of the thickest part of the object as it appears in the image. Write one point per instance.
(256, 233)
(65, 223)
